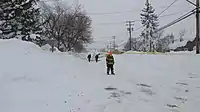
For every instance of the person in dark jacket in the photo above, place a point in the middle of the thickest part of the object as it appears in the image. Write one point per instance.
(97, 57)
(89, 57)
(110, 63)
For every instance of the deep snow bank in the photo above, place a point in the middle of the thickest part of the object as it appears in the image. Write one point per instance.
(33, 80)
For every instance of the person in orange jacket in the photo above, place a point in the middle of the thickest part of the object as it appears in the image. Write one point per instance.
(110, 63)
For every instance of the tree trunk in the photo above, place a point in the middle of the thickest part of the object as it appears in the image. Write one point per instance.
(150, 46)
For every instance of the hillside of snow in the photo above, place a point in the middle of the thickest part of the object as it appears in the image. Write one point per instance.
(34, 80)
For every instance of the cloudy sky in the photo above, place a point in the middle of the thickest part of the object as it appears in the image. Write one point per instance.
(109, 16)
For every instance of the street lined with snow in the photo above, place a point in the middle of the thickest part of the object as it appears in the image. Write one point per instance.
(34, 80)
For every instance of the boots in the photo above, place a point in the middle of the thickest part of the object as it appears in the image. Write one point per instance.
(110, 68)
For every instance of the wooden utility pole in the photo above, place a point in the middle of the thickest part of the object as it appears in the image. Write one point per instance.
(114, 38)
(110, 45)
(130, 29)
(197, 26)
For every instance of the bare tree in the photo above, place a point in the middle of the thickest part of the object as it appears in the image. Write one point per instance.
(79, 30)
(182, 34)
(52, 22)
(163, 44)
(134, 44)
(159, 35)
(71, 28)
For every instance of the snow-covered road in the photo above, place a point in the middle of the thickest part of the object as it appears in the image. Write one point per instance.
(32, 80)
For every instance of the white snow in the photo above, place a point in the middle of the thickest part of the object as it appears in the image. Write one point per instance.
(1, 22)
(178, 44)
(47, 47)
(182, 52)
(34, 80)
(33, 36)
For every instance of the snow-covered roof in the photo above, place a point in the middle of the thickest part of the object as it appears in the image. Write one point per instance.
(178, 44)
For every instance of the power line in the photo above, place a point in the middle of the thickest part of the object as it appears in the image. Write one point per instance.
(109, 13)
(191, 3)
(167, 7)
(172, 14)
(139, 20)
(175, 21)
(138, 28)
(166, 16)
(117, 12)
(111, 23)
(122, 22)
(160, 17)
(178, 19)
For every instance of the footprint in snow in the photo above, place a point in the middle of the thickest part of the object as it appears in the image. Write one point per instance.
(182, 84)
(126, 93)
(117, 94)
(183, 100)
(144, 85)
(110, 88)
(146, 89)
(192, 75)
(24, 79)
(172, 105)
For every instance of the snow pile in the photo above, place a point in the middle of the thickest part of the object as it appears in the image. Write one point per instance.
(178, 44)
(138, 52)
(182, 52)
(18, 47)
(34, 36)
(34, 80)
(47, 47)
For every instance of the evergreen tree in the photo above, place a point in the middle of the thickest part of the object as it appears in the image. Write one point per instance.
(150, 22)
(19, 19)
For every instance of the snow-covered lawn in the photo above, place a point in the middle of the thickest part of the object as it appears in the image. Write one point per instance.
(33, 80)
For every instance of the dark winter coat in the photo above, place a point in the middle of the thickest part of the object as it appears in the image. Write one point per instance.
(97, 56)
(110, 60)
(89, 56)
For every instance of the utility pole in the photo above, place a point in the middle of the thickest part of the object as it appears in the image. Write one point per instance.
(114, 38)
(130, 29)
(197, 26)
(107, 47)
(110, 45)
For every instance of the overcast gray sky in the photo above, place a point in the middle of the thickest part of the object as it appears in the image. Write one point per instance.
(107, 25)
